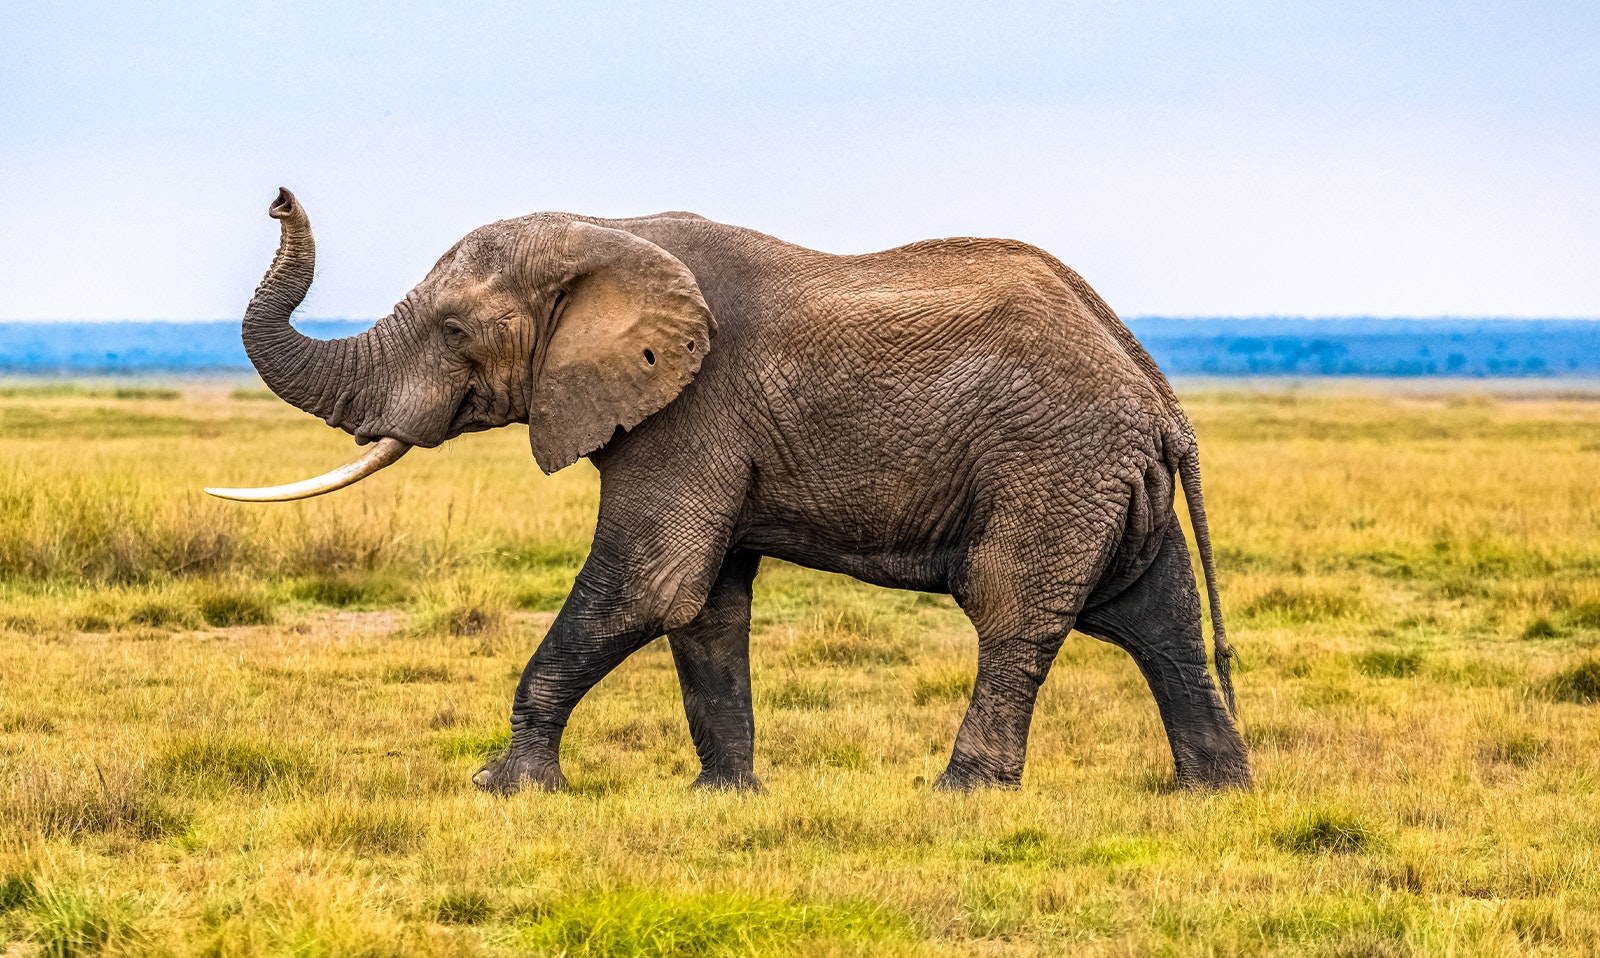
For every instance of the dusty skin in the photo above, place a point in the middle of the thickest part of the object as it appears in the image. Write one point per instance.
(960, 416)
(242, 731)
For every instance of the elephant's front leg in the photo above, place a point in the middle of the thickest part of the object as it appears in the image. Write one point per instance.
(712, 653)
(650, 571)
(583, 645)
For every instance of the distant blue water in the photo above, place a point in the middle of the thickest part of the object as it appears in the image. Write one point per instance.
(1214, 347)
(138, 347)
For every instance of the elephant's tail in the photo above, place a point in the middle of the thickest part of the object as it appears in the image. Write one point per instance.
(1189, 472)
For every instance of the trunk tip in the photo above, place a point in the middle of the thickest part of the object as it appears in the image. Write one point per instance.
(282, 207)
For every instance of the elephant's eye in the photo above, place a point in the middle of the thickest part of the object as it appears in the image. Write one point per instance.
(454, 332)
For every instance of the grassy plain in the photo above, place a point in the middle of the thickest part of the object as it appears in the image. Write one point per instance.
(237, 730)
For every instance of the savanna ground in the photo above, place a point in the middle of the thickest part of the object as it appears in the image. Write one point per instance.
(237, 730)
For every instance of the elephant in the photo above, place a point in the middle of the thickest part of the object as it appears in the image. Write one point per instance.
(957, 416)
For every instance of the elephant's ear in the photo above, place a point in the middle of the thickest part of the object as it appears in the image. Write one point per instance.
(630, 333)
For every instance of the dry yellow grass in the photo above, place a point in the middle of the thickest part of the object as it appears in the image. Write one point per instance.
(241, 730)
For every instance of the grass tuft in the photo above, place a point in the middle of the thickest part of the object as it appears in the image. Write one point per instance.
(232, 763)
(463, 908)
(1326, 830)
(1541, 628)
(947, 687)
(1301, 604)
(802, 695)
(378, 828)
(28, 723)
(17, 891)
(411, 673)
(166, 612)
(464, 610)
(1389, 664)
(846, 755)
(1120, 850)
(1022, 846)
(1579, 684)
(1584, 615)
(78, 803)
(853, 636)
(69, 923)
(344, 590)
(666, 925)
(476, 743)
(1518, 747)
(223, 606)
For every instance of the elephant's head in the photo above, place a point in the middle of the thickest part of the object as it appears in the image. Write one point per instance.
(575, 328)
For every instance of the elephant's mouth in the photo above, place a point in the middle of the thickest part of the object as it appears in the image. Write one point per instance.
(384, 452)
(468, 416)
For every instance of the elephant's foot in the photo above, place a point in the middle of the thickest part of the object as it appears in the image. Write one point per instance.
(1211, 758)
(714, 780)
(965, 776)
(1214, 775)
(511, 773)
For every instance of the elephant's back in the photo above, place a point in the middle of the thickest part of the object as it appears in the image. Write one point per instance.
(971, 322)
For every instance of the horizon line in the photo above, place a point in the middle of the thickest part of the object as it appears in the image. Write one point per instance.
(1185, 317)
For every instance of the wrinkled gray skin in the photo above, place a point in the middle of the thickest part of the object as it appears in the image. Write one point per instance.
(962, 416)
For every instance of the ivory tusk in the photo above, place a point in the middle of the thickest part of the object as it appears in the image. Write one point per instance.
(383, 453)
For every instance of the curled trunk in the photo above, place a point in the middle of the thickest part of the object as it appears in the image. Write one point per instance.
(311, 374)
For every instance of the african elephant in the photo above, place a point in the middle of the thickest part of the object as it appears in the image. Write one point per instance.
(961, 416)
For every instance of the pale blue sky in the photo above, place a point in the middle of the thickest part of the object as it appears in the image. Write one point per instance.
(1188, 158)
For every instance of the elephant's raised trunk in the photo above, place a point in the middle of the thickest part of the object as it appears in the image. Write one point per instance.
(311, 374)
(318, 376)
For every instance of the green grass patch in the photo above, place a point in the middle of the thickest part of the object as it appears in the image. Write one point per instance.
(1323, 831)
(1341, 927)
(17, 891)
(476, 743)
(232, 763)
(463, 610)
(948, 687)
(625, 924)
(1119, 850)
(79, 391)
(1518, 747)
(359, 827)
(66, 923)
(853, 636)
(846, 755)
(145, 392)
(1388, 664)
(463, 908)
(170, 611)
(412, 673)
(229, 605)
(802, 695)
(28, 723)
(1021, 846)
(77, 803)
(1302, 604)
(345, 590)
(1541, 628)
(1579, 684)
(1583, 615)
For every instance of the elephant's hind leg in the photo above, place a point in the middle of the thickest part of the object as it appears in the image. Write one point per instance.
(1157, 620)
(1013, 594)
(712, 653)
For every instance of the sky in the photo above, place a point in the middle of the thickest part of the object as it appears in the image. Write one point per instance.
(1188, 158)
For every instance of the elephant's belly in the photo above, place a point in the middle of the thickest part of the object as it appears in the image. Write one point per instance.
(922, 567)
